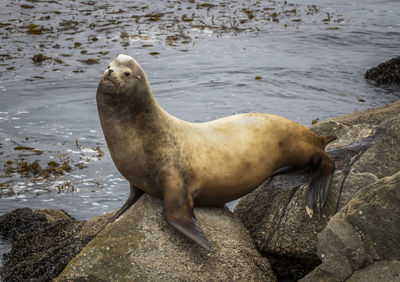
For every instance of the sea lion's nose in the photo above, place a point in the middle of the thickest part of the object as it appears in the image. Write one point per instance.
(110, 71)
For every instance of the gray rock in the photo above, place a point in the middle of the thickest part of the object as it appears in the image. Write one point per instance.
(366, 230)
(367, 149)
(378, 272)
(140, 246)
(386, 73)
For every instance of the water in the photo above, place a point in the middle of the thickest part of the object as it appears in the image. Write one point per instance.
(5, 247)
(311, 62)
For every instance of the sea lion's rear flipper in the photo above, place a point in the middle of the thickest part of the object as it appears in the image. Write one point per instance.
(323, 168)
(134, 195)
(178, 212)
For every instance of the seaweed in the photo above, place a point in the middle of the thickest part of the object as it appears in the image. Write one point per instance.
(39, 58)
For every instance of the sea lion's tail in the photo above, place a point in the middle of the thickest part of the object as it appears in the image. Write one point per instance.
(323, 168)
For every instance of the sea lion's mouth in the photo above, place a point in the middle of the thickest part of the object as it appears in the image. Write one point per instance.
(110, 85)
(110, 79)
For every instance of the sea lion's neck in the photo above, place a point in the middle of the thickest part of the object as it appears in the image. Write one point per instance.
(131, 128)
(139, 106)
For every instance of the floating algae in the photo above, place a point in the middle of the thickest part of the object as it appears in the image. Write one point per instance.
(39, 58)
(99, 24)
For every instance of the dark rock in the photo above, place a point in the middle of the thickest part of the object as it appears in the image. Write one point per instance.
(387, 73)
(141, 246)
(367, 149)
(43, 242)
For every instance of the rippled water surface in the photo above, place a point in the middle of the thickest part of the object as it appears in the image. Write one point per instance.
(201, 61)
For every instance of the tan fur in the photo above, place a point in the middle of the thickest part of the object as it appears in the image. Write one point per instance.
(208, 163)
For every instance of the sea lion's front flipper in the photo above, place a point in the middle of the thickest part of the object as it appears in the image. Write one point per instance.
(189, 227)
(135, 194)
(178, 211)
(323, 168)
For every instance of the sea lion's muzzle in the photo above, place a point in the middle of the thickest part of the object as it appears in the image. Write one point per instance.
(109, 82)
(109, 78)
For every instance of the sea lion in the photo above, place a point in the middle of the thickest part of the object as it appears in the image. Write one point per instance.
(198, 164)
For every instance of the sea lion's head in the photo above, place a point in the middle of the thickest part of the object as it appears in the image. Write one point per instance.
(123, 76)
(124, 89)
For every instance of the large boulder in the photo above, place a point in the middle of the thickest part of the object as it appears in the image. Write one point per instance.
(367, 149)
(386, 73)
(141, 246)
(365, 231)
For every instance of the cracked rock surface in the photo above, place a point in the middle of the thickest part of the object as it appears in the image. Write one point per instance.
(362, 240)
(366, 151)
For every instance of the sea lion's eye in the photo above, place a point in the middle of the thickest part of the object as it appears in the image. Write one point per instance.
(108, 66)
(127, 73)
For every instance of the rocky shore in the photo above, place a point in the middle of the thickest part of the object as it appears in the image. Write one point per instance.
(268, 237)
(138, 246)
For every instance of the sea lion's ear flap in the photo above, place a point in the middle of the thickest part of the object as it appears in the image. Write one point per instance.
(139, 77)
(323, 168)
(178, 211)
